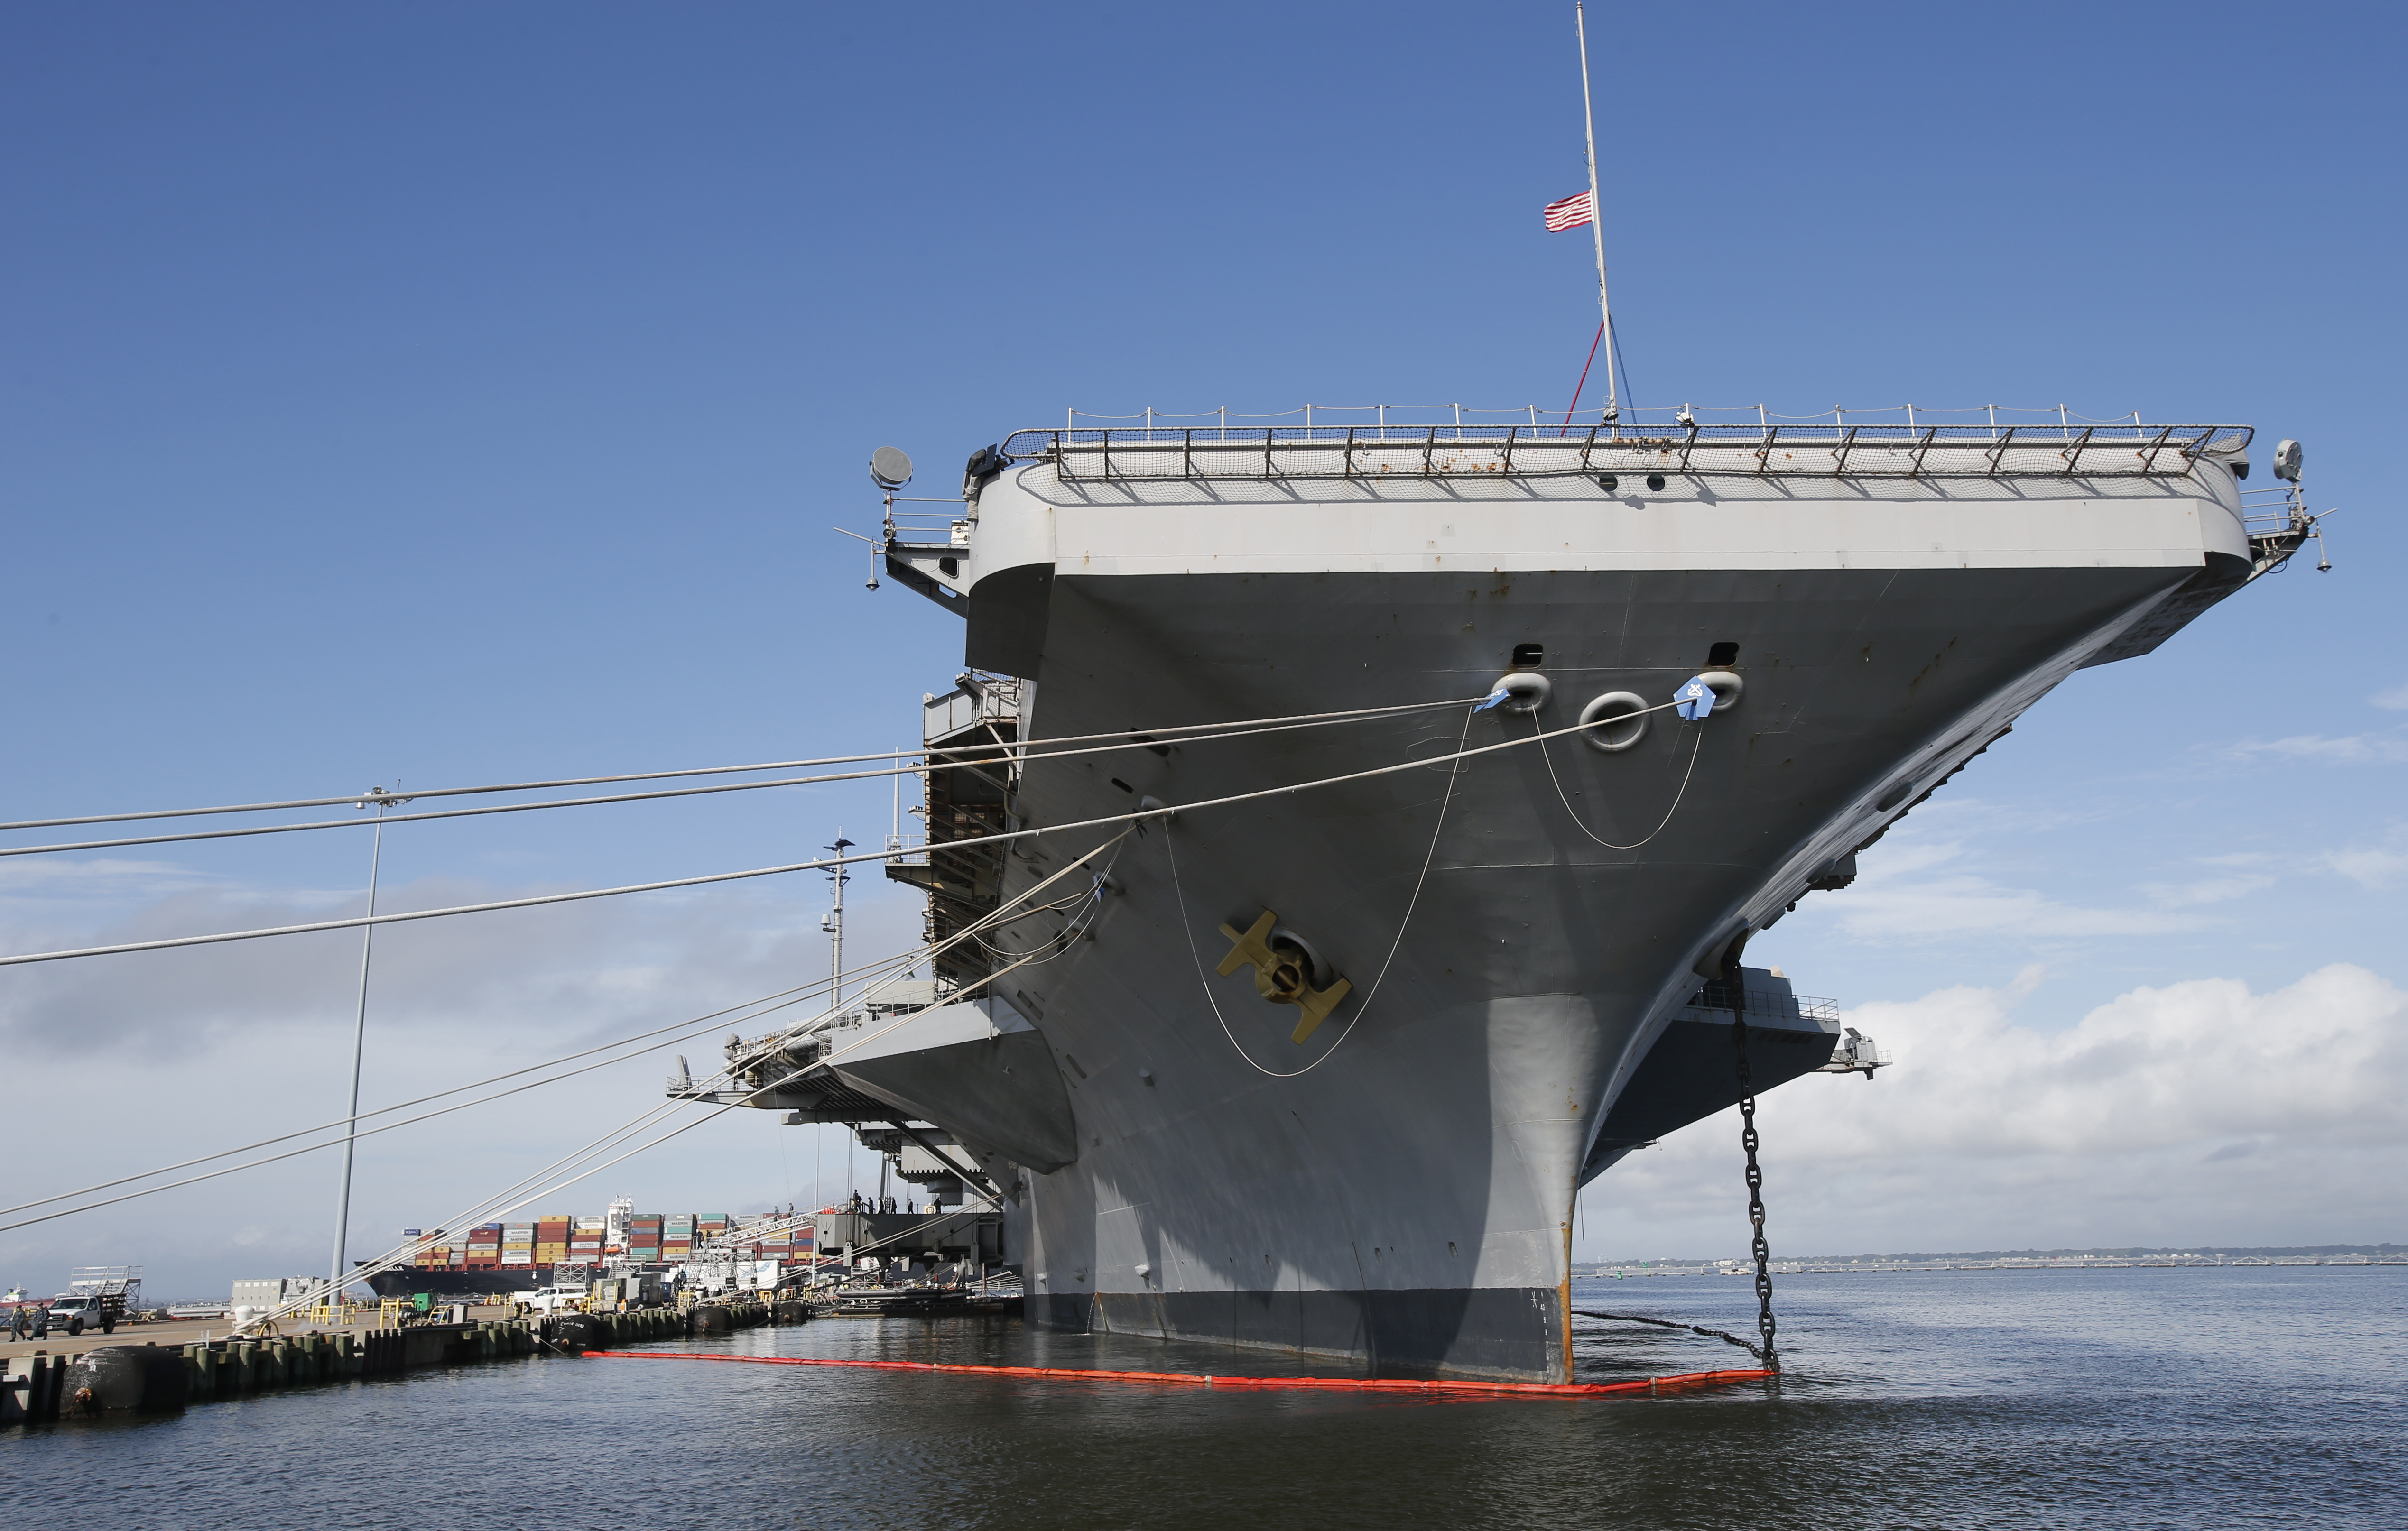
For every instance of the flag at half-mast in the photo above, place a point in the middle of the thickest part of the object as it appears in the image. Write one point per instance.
(1570, 213)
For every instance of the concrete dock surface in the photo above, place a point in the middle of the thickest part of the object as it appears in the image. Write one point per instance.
(179, 1332)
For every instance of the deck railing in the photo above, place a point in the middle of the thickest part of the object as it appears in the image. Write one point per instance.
(1623, 458)
(1770, 1003)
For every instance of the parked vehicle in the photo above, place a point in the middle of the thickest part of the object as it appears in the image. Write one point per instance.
(98, 1295)
(554, 1299)
(80, 1311)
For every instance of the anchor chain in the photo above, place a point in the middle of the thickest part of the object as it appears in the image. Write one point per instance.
(1724, 1334)
(1748, 1140)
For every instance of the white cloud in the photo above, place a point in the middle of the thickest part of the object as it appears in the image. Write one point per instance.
(2213, 889)
(120, 1062)
(2349, 749)
(29, 883)
(601, 960)
(2396, 698)
(2154, 1067)
(2196, 1113)
(1895, 898)
(2372, 865)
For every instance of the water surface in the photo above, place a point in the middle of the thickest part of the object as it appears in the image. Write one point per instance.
(2136, 1398)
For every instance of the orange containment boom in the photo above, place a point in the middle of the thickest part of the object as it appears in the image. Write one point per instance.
(1687, 1381)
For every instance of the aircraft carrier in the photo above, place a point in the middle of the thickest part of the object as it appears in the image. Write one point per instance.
(1323, 1069)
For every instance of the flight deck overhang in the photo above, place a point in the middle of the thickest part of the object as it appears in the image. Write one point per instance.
(1692, 1070)
(977, 1068)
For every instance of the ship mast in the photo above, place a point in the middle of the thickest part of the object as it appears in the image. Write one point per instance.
(1596, 218)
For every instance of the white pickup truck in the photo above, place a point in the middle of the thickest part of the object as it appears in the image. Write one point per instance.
(554, 1299)
(80, 1311)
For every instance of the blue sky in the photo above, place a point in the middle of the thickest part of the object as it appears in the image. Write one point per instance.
(452, 394)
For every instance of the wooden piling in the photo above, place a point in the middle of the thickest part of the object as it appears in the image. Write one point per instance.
(42, 1398)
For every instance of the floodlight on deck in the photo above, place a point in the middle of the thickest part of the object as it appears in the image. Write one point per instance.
(889, 468)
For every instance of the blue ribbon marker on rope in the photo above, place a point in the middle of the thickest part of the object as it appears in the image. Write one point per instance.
(1694, 700)
(1500, 693)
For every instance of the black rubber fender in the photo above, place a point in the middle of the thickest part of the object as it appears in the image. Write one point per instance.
(134, 1378)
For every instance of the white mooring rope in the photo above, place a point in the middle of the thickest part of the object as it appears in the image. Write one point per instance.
(1188, 928)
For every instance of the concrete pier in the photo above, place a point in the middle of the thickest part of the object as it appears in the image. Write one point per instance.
(151, 1368)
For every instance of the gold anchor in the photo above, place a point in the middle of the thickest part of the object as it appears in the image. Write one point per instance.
(1282, 974)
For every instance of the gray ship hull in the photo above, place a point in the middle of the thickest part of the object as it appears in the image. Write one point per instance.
(1397, 1190)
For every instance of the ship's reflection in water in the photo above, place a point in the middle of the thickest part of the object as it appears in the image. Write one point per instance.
(2231, 1396)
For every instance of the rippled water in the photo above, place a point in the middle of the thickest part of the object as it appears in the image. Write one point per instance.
(2135, 1398)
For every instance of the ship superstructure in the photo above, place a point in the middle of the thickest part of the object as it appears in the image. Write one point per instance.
(1323, 1069)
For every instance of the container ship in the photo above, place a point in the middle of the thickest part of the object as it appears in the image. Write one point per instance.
(1345, 1015)
(502, 1258)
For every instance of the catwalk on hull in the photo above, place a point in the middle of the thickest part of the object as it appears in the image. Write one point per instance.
(1521, 944)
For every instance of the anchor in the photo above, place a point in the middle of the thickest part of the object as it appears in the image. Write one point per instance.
(1282, 973)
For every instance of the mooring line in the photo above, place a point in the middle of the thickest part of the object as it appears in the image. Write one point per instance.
(1723, 1335)
(1695, 744)
(1685, 1382)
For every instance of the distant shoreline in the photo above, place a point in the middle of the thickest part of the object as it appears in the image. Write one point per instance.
(2067, 1259)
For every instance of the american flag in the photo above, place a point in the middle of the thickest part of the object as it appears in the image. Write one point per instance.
(1570, 213)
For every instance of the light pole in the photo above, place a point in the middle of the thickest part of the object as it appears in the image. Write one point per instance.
(335, 1283)
(833, 924)
(834, 921)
